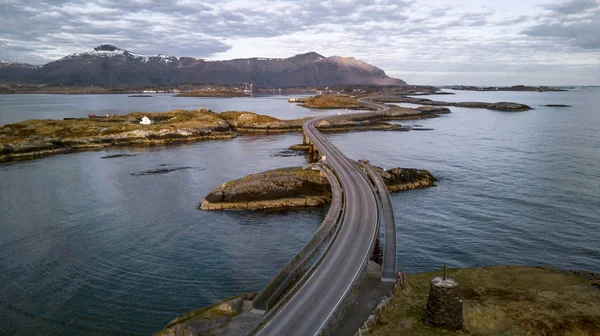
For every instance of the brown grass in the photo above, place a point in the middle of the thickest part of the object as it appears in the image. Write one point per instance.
(212, 93)
(503, 300)
(79, 128)
(331, 101)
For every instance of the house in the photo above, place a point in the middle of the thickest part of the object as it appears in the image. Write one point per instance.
(146, 121)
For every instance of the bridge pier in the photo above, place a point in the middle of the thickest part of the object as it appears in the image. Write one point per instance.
(314, 154)
(305, 139)
(377, 255)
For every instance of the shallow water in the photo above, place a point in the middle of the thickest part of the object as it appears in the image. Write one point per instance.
(89, 248)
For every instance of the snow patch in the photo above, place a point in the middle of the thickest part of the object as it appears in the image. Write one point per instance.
(123, 53)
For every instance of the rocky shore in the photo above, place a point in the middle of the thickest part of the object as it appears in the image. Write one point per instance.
(298, 187)
(32, 139)
(500, 106)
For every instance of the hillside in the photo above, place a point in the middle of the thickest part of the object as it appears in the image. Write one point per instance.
(110, 65)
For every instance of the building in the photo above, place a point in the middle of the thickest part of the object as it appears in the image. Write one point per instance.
(146, 121)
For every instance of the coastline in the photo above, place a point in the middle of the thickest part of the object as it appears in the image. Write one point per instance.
(32, 139)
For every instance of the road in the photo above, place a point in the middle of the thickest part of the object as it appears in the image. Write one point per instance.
(309, 310)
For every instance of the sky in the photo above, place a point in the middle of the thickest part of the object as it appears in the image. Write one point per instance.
(468, 42)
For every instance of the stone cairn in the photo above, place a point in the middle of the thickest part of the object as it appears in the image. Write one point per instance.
(444, 306)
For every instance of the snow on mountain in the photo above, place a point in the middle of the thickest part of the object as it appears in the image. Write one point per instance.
(109, 50)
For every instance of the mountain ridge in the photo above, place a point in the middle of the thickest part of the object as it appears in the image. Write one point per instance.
(109, 65)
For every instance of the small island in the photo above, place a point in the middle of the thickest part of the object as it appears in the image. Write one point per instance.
(32, 139)
(542, 88)
(500, 106)
(213, 93)
(298, 187)
(330, 101)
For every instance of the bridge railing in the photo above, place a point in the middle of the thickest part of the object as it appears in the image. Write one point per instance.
(265, 299)
(388, 267)
(290, 293)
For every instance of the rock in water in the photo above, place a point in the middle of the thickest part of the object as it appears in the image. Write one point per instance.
(444, 305)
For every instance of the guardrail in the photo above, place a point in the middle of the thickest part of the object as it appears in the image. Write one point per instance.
(339, 219)
(388, 269)
(282, 280)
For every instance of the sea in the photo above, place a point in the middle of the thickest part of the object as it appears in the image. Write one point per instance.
(96, 246)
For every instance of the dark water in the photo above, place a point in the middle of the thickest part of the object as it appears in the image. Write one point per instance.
(89, 248)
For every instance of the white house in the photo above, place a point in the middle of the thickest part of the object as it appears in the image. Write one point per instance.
(146, 121)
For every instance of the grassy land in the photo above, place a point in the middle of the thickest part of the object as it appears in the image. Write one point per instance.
(331, 101)
(212, 93)
(503, 300)
(79, 128)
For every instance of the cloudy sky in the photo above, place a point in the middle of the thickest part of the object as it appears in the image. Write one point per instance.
(479, 42)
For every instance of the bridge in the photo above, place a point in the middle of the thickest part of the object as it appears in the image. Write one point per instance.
(309, 305)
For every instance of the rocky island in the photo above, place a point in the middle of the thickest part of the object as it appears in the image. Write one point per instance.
(542, 88)
(298, 187)
(213, 93)
(331, 101)
(37, 138)
(500, 106)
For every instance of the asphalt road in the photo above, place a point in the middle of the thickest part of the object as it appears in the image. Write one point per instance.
(308, 312)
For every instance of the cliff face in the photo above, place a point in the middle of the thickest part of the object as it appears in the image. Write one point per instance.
(109, 65)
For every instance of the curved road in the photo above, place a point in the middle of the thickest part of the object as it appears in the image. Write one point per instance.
(309, 310)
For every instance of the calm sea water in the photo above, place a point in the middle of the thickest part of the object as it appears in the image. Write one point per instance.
(15, 108)
(88, 248)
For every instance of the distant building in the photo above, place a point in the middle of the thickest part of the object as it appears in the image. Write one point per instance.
(146, 121)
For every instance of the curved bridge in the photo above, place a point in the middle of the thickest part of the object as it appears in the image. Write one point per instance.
(308, 311)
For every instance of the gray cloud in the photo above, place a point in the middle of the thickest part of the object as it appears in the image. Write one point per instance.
(572, 6)
(561, 26)
(398, 36)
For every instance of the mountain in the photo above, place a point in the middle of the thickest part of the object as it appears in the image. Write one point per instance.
(109, 65)
(13, 72)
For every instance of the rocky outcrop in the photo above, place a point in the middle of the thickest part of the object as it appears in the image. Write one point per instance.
(501, 106)
(215, 319)
(110, 65)
(279, 188)
(557, 105)
(400, 179)
(298, 187)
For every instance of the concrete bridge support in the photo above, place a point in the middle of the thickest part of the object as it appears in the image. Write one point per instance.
(314, 154)
(305, 139)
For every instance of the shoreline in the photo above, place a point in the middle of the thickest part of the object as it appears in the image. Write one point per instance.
(32, 139)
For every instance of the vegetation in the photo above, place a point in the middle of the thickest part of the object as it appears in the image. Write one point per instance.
(504, 300)
(84, 127)
(212, 93)
(331, 101)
